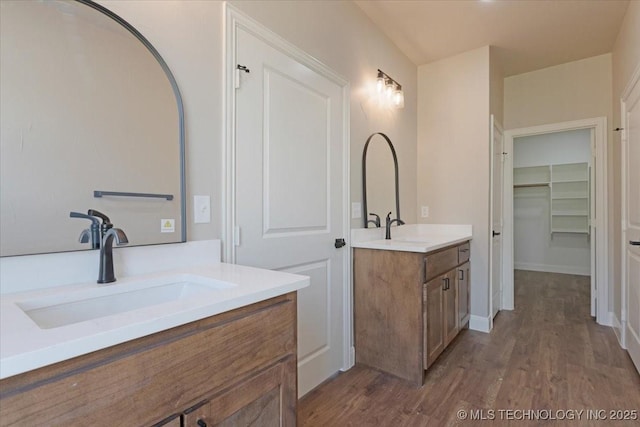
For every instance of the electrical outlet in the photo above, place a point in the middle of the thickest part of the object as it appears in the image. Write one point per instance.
(356, 210)
(425, 212)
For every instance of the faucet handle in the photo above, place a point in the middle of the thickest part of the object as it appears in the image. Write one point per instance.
(375, 221)
(81, 215)
(85, 236)
(94, 213)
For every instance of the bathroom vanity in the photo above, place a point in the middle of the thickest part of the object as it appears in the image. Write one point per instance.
(411, 297)
(201, 343)
(228, 367)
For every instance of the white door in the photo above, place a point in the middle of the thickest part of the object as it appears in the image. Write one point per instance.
(631, 220)
(289, 183)
(497, 173)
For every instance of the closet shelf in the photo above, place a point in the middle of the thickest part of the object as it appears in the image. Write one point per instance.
(569, 213)
(541, 184)
(568, 196)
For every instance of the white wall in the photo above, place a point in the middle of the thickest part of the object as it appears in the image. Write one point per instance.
(626, 59)
(454, 154)
(534, 246)
(189, 36)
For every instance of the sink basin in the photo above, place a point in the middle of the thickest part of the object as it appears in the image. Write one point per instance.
(62, 310)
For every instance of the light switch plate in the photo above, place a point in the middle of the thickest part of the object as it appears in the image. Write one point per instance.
(356, 210)
(201, 209)
(425, 212)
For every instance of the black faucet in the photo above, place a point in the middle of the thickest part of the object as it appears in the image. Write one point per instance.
(376, 221)
(106, 274)
(389, 223)
(91, 234)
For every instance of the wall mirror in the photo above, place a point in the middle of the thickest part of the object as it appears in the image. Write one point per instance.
(380, 186)
(87, 104)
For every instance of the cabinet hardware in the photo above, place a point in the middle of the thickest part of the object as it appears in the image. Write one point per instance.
(201, 423)
(444, 283)
(461, 275)
(634, 242)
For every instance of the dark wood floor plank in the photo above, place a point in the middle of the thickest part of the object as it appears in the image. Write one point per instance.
(548, 353)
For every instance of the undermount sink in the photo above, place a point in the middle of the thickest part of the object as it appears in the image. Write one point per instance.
(62, 310)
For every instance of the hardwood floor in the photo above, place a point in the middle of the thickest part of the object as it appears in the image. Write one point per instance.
(548, 354)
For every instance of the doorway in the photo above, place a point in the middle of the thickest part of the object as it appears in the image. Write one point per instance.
(567, 195)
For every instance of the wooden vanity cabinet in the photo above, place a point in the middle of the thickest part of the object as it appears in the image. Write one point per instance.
(408, 307)
(256, 401)
(221, 370)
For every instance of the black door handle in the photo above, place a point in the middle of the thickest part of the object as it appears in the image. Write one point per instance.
(340, 243)
(495, 234)
(634, 242)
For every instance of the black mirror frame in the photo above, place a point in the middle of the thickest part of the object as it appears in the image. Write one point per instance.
(177, 94)
(364, 176)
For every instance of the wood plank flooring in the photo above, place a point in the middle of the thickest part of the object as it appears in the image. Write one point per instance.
(548, 354)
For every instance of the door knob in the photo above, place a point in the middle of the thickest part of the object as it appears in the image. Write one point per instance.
(495, 234)
(340, 243)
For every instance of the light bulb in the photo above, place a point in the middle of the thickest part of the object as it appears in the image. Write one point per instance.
(389, 89)
(398, 97)
(380, 82)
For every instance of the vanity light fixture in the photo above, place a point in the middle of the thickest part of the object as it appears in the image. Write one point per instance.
(390, 89)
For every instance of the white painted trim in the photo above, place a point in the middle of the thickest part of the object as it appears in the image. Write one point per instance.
(507, 227)
(235, 19)
(635, 79)
(600, 219)
(618, 328)
(493, 124)
(563, 269)
(480, 323)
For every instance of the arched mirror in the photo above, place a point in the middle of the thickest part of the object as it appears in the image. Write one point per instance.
(91, 119)
(380, 185)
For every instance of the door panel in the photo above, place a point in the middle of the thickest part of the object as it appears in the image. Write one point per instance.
(631, 216)
(497, 176)
(295, 152)
(289, 191)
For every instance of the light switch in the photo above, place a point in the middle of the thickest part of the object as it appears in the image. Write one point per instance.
(356, 210)
(201, 209)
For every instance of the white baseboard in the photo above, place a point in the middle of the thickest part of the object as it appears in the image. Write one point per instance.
(352, 359)
(564, 269)
(480, 323)
(618, 328)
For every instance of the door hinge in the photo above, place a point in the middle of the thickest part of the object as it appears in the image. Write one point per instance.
(236, 235)
(240, 68)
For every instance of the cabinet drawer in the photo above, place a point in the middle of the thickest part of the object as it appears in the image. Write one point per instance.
(441, 262)
(464, 250)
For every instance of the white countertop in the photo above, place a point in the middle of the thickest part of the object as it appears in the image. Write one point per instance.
(24, 346)
(421, 238)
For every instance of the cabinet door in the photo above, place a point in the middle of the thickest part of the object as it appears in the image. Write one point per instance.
(433, 319)
(450, 306)
(266, 399)
(464, 295)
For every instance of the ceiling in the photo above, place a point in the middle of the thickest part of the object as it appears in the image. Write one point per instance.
(527, 34)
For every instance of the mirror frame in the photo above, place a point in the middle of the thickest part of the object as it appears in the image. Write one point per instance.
(364, 176)
(179, 104)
